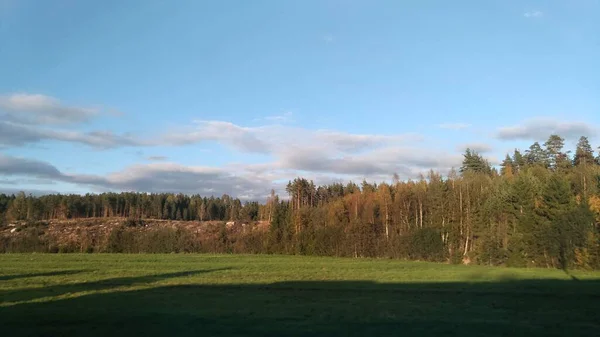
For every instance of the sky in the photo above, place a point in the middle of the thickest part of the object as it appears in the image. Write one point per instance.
(238, 97)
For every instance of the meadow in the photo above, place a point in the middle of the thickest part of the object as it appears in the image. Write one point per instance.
(271, 295)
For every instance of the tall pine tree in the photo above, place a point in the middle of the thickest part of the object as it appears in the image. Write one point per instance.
(536, 155)
(475, 163)
(507, 169)
(584, 155)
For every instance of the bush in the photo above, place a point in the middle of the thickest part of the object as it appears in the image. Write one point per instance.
(31, 240)
(426, 244)
(159, 240)
(516, 259)
(155, 240)
(132, 222)
(456, 257)
(490, 252)
(120, 240)
(69, 247)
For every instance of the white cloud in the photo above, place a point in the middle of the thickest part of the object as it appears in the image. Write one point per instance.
(28, 191)
(347, 142)
(454, 126)
(539, 129)
(175, 178)
(328, 38)
(274, 139)
(247, 182)
(33, 118)
(30, 119)
(533, 14)
(41, 109)
(408, 162)
(242, 138)
(478, 147)
(11, 166)
(322, 155)
(285, 117)
(157, 177)
(15, 134)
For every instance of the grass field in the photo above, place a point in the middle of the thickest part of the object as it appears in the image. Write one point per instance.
(228, 295)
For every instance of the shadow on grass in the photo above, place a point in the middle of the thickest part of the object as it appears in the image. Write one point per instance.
(19, 295)
(50, 273)
(321, 308)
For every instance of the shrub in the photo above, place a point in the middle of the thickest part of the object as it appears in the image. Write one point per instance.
(31, 240)
(120, 240)
(132, 222)
(426, 244)
(516, 259)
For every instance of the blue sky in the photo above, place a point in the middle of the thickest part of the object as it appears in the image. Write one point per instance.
(237, 97)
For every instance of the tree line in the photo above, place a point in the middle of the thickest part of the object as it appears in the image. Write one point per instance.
(127, 204)
(540, 208)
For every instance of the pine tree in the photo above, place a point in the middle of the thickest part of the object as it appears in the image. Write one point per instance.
(554, 146)
(507, 169)
(536, 155)
(474, 162)
(18, 207)
(584, 155)
(553, 231)
(556, 158)
(518, 161)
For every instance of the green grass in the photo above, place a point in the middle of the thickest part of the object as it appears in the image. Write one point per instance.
(232, 295)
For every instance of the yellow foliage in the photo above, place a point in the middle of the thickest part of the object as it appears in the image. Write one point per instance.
(582, 258)
(537, 203)
(507, 172)
(594, 202)
(586, 257)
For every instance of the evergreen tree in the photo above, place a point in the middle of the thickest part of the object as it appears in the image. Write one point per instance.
(535, 155)
(475, 163)
(518, 161)
(507, 169)
(18, 207)
(554, 146)
(553, 230)
(584, 155)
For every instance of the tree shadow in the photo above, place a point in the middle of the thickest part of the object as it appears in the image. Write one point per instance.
(18, 295)
(51, 273)
(321, 308)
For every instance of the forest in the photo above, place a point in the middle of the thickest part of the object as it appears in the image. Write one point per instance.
(539, 208)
